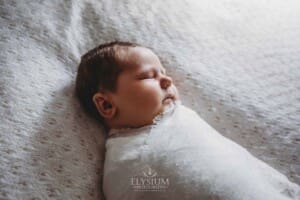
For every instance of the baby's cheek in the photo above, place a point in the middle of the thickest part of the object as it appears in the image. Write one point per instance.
(146, 95)
(148, 102)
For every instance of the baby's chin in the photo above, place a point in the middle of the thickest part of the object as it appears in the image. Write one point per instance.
(168, 104)
(166, 107)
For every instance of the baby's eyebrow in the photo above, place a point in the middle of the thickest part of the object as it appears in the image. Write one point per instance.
(163, 70)
(150, 70)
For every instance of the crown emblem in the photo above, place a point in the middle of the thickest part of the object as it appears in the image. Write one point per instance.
(149, 172)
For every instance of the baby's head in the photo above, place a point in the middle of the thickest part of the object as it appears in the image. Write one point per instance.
(123, 85)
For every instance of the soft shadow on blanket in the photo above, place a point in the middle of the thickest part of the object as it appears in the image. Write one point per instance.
(69, 152)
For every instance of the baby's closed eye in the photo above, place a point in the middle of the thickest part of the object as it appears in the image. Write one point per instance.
(150, 74)
(147, 75)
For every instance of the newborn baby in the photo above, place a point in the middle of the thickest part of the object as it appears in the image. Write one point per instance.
(156, 147)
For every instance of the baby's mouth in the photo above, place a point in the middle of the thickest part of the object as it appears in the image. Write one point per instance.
(168, 99)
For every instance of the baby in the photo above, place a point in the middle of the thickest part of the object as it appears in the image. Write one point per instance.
(157, 148)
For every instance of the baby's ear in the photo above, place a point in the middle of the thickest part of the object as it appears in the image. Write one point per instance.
(104, 105)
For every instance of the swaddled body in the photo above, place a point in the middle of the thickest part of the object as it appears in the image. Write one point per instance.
(174, 155)
(195, 161)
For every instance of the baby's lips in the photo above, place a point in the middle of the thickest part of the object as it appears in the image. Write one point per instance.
(169, 97)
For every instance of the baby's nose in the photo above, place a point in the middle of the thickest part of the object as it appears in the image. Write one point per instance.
(165, 82)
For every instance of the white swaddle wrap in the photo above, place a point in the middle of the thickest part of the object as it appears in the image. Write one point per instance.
(181, 157)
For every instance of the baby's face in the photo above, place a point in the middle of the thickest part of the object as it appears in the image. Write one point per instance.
(143, 89)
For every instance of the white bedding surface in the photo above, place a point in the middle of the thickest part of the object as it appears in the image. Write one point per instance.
(236, 63)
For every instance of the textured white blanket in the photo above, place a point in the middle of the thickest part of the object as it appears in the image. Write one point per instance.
(236, 63)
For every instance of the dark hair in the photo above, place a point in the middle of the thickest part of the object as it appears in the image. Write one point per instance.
(99, 70)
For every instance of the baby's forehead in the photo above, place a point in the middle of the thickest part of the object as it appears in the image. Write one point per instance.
(134, 58)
